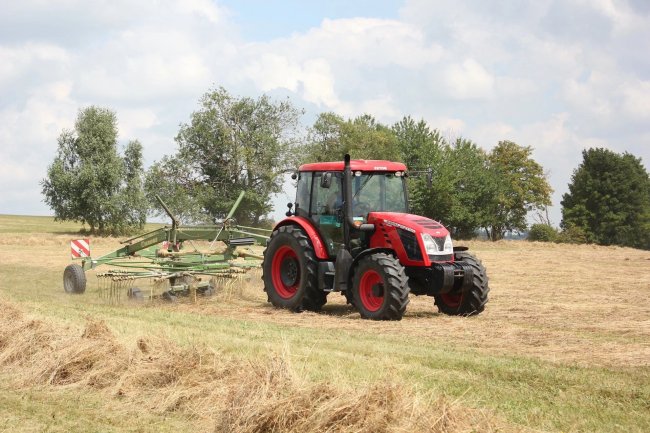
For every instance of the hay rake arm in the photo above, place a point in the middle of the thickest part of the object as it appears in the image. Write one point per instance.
(142, 257)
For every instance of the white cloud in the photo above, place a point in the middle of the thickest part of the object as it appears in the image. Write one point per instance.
(591, 96)
(488, 135)
(353, 57)
(469, 80)
(134, 122)
(450, 128)
(318, 83)
(637, 99)
(30, 58)
(487, 71)
(203, 8)
(273, 71)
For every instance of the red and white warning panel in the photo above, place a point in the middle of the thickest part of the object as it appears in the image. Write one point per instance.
(80, 248)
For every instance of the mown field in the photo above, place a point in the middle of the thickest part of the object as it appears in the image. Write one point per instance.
(563, 346)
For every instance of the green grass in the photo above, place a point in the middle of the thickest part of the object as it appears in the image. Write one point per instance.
(45, 224)
(36, 224)
(522, 390)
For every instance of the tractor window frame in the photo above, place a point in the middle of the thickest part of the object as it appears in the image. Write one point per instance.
(377, 180)
(325, 216)
(304, 190)
(316, 200)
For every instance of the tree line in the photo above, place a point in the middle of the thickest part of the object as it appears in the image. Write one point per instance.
(233, 143)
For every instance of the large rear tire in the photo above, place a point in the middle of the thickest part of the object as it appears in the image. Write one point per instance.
(380, 289)
(472, 302)
(290, 271)
(74, 279)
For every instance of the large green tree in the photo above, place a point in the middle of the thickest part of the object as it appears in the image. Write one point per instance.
(89, 181)
(461, 185)
(520, 187)
(133, 201)
(419, 146)
(609, 199)
(363, 137)
(230, 145)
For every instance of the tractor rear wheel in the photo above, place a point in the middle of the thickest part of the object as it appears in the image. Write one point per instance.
(380, 287)
(74, 279)
(457, 303)
(290, 271)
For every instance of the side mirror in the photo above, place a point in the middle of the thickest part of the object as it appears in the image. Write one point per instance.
(326, 180)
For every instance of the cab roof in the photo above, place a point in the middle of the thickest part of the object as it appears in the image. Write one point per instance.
(355, 165)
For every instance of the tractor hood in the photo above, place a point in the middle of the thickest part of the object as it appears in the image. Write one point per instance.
(409, 222)
(416, 239)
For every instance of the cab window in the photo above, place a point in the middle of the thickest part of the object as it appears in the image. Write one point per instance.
(327, 210)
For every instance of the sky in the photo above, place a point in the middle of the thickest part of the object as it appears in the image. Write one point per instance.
(559, 76)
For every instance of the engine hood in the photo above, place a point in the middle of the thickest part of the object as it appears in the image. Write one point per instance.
(410, 222)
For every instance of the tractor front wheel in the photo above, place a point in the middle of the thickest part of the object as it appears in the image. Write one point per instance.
(74, 279)
(380, 288)
(290, 271)
(457, 303)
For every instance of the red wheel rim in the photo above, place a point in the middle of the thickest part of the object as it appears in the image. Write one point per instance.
(452, 300)
(369, 280)
(285, 271)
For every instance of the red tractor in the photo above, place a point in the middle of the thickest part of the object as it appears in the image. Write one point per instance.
(350, 232)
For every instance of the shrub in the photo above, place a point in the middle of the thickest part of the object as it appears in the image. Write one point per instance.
(542, 233)
(573, 235)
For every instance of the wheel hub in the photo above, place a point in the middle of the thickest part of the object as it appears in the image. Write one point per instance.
(289, 272)
(371, 290)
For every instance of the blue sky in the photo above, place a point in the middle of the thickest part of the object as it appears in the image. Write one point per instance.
(260, 20)
(557, 75)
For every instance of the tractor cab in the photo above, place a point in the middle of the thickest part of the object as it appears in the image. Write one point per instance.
(376, 186)
(349, 231)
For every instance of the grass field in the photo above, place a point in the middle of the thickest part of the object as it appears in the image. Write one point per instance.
(563, 346)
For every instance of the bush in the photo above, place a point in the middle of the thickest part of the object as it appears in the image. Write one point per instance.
(542, 233)
(573, 235)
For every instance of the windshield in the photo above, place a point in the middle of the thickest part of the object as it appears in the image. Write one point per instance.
(383, 192)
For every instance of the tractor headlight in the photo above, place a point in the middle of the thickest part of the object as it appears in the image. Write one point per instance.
(437, 246)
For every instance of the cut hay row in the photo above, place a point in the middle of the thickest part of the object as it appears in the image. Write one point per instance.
(220, 393)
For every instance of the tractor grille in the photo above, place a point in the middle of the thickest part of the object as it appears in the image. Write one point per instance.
(441, 258)
(410, 243)
(427, 223)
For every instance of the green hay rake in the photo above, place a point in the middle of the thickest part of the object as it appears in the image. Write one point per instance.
(163, 256)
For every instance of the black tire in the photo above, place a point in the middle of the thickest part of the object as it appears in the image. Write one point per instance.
(135, 294)
(169, 297)
(208, 291)
(185, 279)
(74, 279)
(472, 302)
(290, 271)
(314, 299)
(380, 287)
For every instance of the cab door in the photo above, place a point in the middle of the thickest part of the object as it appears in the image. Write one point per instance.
(327, 208)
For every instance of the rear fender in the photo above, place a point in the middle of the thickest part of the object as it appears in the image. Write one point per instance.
(310, 230)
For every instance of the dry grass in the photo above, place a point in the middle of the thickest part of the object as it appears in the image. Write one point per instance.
(581, 304)
(564, 345)
(222, 394)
